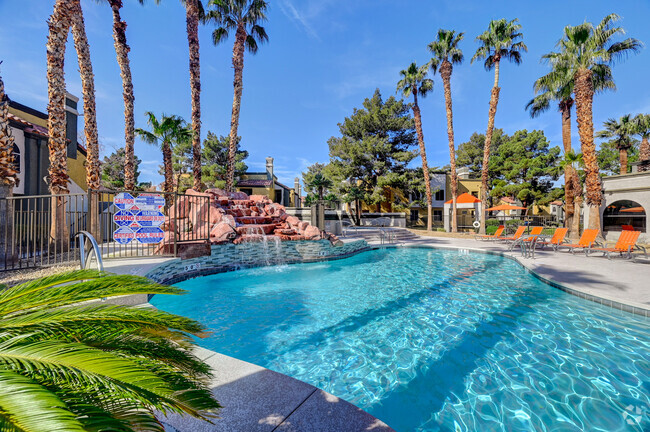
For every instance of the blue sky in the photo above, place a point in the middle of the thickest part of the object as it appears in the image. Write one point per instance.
(323, 58)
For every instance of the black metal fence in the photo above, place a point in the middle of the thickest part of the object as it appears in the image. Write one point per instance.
(40, 230)
(31, 237)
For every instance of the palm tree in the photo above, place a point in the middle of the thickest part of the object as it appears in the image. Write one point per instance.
(193, 13)
(502, 40)
(321, 183)
(244, 17)
(445, 53)
(69, 362)
(557, 86)
(583, 48)
(414, 82)
(165, 132)
(122, 52)
(642, 128)
(621, 131)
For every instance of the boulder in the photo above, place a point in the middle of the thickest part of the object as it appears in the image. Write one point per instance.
(216, 192)
(222, 232)
(180, 209)
(312, 233)
(238, 196)
(228, 219)
(292, 220)
(257, 198)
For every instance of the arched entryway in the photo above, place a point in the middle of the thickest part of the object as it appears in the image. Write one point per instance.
(624, 214)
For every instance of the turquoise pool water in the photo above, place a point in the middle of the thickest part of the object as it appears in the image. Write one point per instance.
(434, 340)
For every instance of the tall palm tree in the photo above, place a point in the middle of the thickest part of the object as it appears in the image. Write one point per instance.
(582, 48)
(244, 17)
(621, 132)
(70, 364)
(557, 86)
(165, 132)
(445, 54)
(502, 40)
(414, 81)
(193, 13)
(122, 52)
(642, 129)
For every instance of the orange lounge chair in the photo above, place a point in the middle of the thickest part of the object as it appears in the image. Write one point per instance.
(515, 236)
(534, 233)
(587, 240)
(627, 228)
(625, 244)
(556, 240)
(495, 236)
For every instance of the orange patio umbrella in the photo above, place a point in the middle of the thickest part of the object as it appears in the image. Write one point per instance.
(506, 207)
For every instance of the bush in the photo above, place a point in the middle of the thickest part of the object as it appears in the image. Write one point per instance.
(514, 222)
(491, 229)
(492, 222)
(441, 230)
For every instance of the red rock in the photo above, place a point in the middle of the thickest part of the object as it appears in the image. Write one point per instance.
(312, 233)
(216, 192)
(229, 220)
(222, 232)
(292, 220)
(180, 209)
(302, 226)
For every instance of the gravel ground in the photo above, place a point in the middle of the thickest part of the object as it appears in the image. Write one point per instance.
(16, 277)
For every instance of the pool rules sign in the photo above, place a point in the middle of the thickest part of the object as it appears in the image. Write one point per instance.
(138, 218)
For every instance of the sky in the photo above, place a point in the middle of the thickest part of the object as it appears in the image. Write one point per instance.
(323, 58)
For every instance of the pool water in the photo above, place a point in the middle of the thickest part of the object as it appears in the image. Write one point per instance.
(434, 340)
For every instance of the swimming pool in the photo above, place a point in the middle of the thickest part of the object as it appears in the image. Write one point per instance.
(434, 340)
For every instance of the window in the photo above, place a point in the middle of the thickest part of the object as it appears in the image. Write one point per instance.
(16, 154)
(415, 215)
(475, 194)
(439, 196)
(247, 191)
(437, 215)
(624, 212)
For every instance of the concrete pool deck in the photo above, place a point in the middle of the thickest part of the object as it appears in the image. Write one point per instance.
(257, 399)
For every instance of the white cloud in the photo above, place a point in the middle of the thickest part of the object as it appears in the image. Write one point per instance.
(300, 18)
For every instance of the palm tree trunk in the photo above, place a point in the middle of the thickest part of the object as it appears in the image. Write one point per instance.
(238, 66)
(59, 25)
(644, 154)
(577, 205)
(192, 21)
(565, 109)
(423, 155)
(122, 51)
(584, 92)
(445, 73)
(7, 168)
(494, 100)
(88, 90)
(168, 184)
(622, 157)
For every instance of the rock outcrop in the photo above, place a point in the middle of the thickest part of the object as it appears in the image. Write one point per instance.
(233, 217)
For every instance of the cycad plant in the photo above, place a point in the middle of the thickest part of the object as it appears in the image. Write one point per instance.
(621, 131)
(446, 53)
(70, 362)
(415, 82)
(502, 40)
(244, 18)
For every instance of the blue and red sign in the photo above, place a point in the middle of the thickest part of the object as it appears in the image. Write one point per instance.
(123, 235)
(149, 218)
(149, 235)
(123, 201)
(123, 218)
(149, 201)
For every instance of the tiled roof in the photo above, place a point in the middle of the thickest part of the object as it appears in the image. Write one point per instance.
(31, 127)
(508, 200)
(254, 183)
(465, 199)
(277, 183)
(558, 203)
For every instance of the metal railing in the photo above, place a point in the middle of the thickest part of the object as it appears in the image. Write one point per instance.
(84, 258)
(31, 236)
(40, 230)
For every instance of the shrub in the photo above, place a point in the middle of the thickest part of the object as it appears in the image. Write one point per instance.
(491, 229)
(492, 222)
